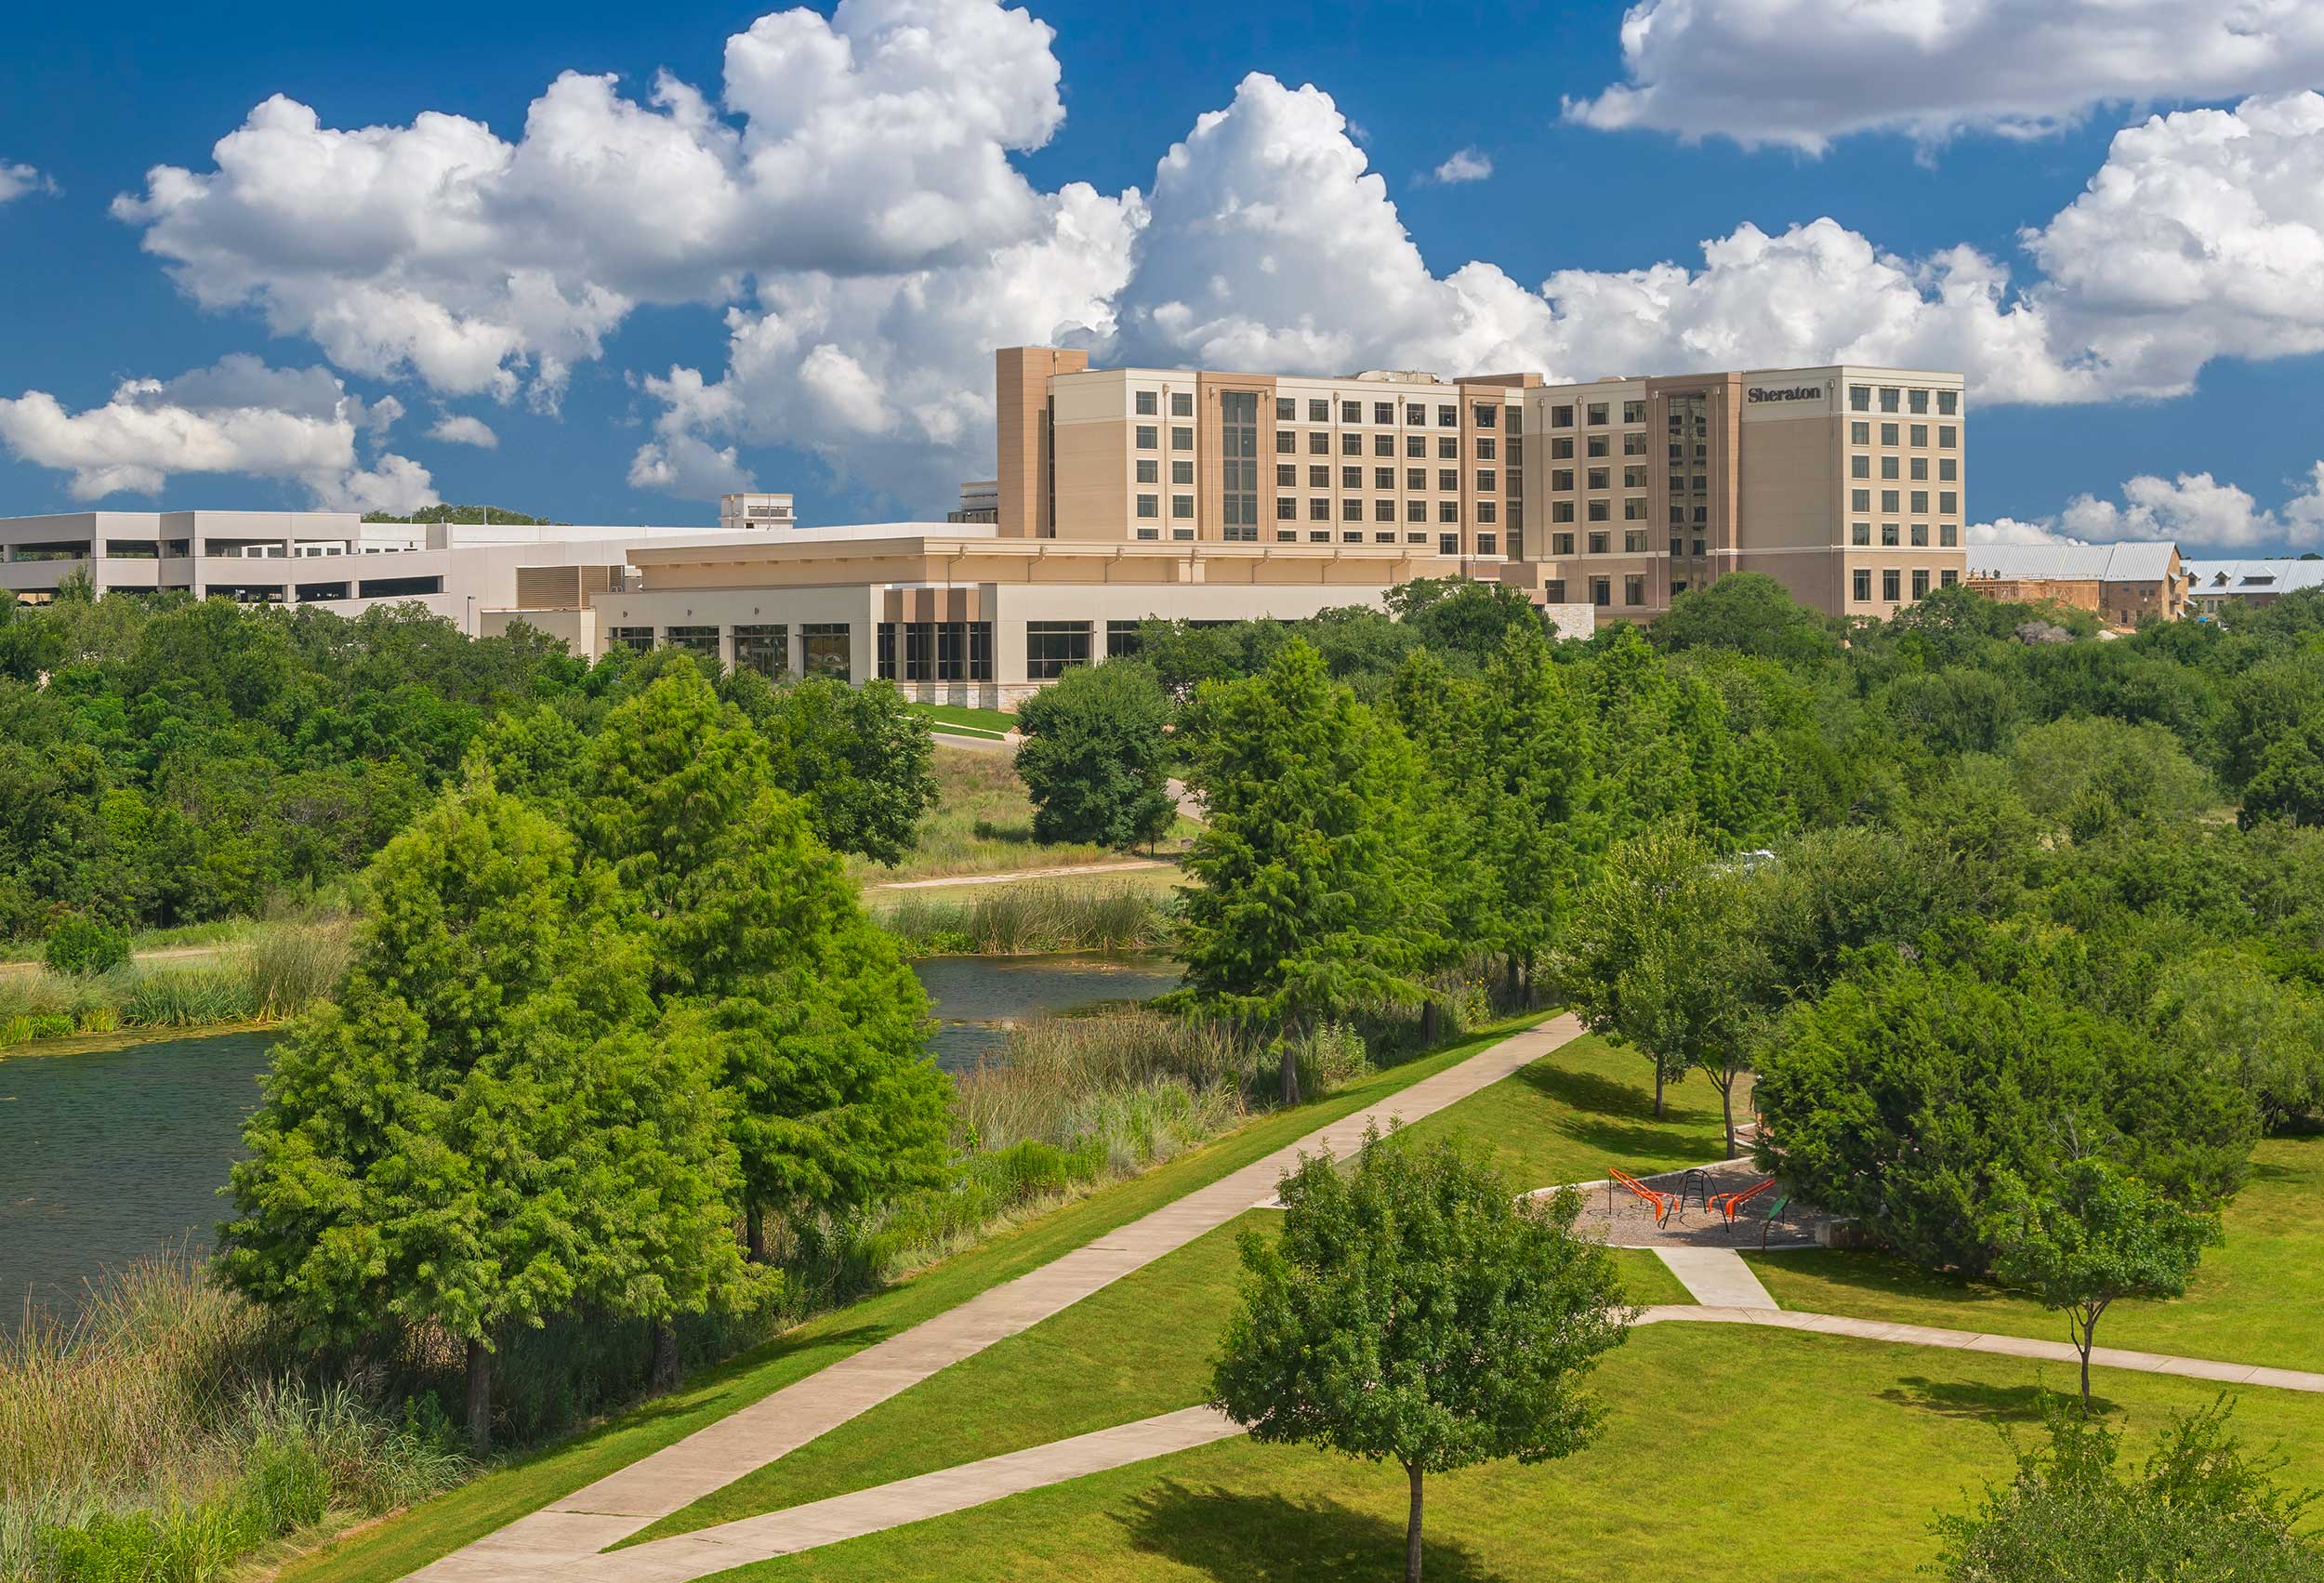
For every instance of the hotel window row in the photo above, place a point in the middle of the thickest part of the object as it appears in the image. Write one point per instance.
(1892, 583)
(1860, 399)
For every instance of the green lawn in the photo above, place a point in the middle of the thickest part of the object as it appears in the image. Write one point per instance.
(439, 1526)
(1136, 1348)
(2259, 1298)
(970, 722)
(1728, 1452)
(983, 824)
(1571, 1114)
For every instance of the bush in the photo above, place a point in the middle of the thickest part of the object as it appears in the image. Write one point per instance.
(84, 946)
(1094, 756)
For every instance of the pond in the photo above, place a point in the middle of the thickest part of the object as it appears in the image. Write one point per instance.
(107, 1155)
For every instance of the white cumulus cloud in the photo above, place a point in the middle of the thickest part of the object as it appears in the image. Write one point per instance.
(1465, 165)
(460, 428)
(237, 417)
(1802, 73)
(18, 180)
(2194, 510)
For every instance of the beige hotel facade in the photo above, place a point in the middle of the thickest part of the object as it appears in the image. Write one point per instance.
(1126, 494)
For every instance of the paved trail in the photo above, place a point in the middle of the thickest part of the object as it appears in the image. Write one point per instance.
(563, 1538)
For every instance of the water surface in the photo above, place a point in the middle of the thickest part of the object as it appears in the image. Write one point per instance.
(107, 1155)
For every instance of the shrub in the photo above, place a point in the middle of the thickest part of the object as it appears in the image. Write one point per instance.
(82, 945)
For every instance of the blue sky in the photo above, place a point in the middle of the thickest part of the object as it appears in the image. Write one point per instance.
(2185, 412)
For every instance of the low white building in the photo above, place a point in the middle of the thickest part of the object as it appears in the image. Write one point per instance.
(2215, 586)
(330, 558)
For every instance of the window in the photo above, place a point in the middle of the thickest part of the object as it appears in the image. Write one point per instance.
(1182, 404)
(1488, 544)
(1182, 439)
(1597, 543)
(1889, 584)
(1633, 412)
(1860, 533)
(1597, 411)
(1351, 412)
(1888, 535)
(1562, 478)
(1553, 590)
(1286, 443)
(1919, 577)
(938, 651)
(1561, 544)
(1448, 448)
(1516, 426)
(1487, 482)
(1948, 469)
(637, 638)
(1601, 591)
(1599, 445)
(1319, 510)
(1383, 412)
(1448, 544)
(1487, 413)
(1948, 502)
(1383, 444)
(1919, 433)
(826, 649)
(1149, 506)
(1562, 450)
(1149, 532)
(1351, 444)
(1448, 511)
(1121, 640)
(1947, 403)
(1947, 537)
(1487, 511)
(1561, 417)
(1888, 398)
(1416, 478)
(1600, 476)
(1634, 509)
(1146, 433)
(1146, 404)
(1600, 513)
(1485, 448)
(1561, 510)
(1318, 412)
(1053, 647)
(1633, 444)
(1889, 498)
(1633, 589)
(702, 640)
(1385, 511)
(1350, 478)
(1181, 472)
(1920, 501)
(1888, 467)
(1515, 481)
(1149, 470)
(1859, 467)
(1888, 434)
(1947, 578)
(1181, 533)
(1448, 478)
(1287, 476)
(1859, 398)
(1182, 507)
(766, 649)
(1416, 445)
(1356, 537)
(1919, 401)
(1633, 541)
(1946, 436)
(1416, 511)
(1921, 468)
(1862, 584)
(1318, 536)
(1286, 409)
(1384, 538)
(1414, 413)
(1860, 433)
(1698, 547)
(1447, 418)
(1287, 508)
(1674, 547)
(1350, 510)
(1318, 443)
(1384, 477)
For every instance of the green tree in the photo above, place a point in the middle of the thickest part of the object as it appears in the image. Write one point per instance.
(1414, 1310)
(2091, 1238)
(1311, 896)
(2288, 783)
(1095, 756)
(2202, 1510)
(1664, 956)
(485, 1128)
(860, 758)
(1747, 613)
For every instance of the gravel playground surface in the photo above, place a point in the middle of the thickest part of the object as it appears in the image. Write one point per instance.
(1624, 1219)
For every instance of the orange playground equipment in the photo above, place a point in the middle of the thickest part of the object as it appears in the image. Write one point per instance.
(1724, 1205)
(1664, 1204)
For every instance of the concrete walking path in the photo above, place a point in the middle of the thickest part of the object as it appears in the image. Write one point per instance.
(688, 1556)
(574, 1528)
(1716, 1277)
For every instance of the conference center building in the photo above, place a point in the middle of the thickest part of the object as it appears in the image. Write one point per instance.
(1126, 494)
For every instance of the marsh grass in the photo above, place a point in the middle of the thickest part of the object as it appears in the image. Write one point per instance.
(275, 972)
(1033, 915)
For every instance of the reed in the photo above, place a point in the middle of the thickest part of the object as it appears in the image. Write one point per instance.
(1033, 915)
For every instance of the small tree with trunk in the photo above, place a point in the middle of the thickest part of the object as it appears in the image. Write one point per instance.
(1663, 956)
(1094, 756)
(2094, 1237)
(1414, 1311)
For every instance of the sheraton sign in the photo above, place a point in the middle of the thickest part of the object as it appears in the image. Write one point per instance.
(1756, 395)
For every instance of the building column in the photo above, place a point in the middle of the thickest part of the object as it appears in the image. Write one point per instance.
(726, 646)
(795, 649)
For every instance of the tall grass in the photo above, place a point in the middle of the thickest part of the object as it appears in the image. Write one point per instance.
(276, 972)
(168, 1427)
(1033, 915)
